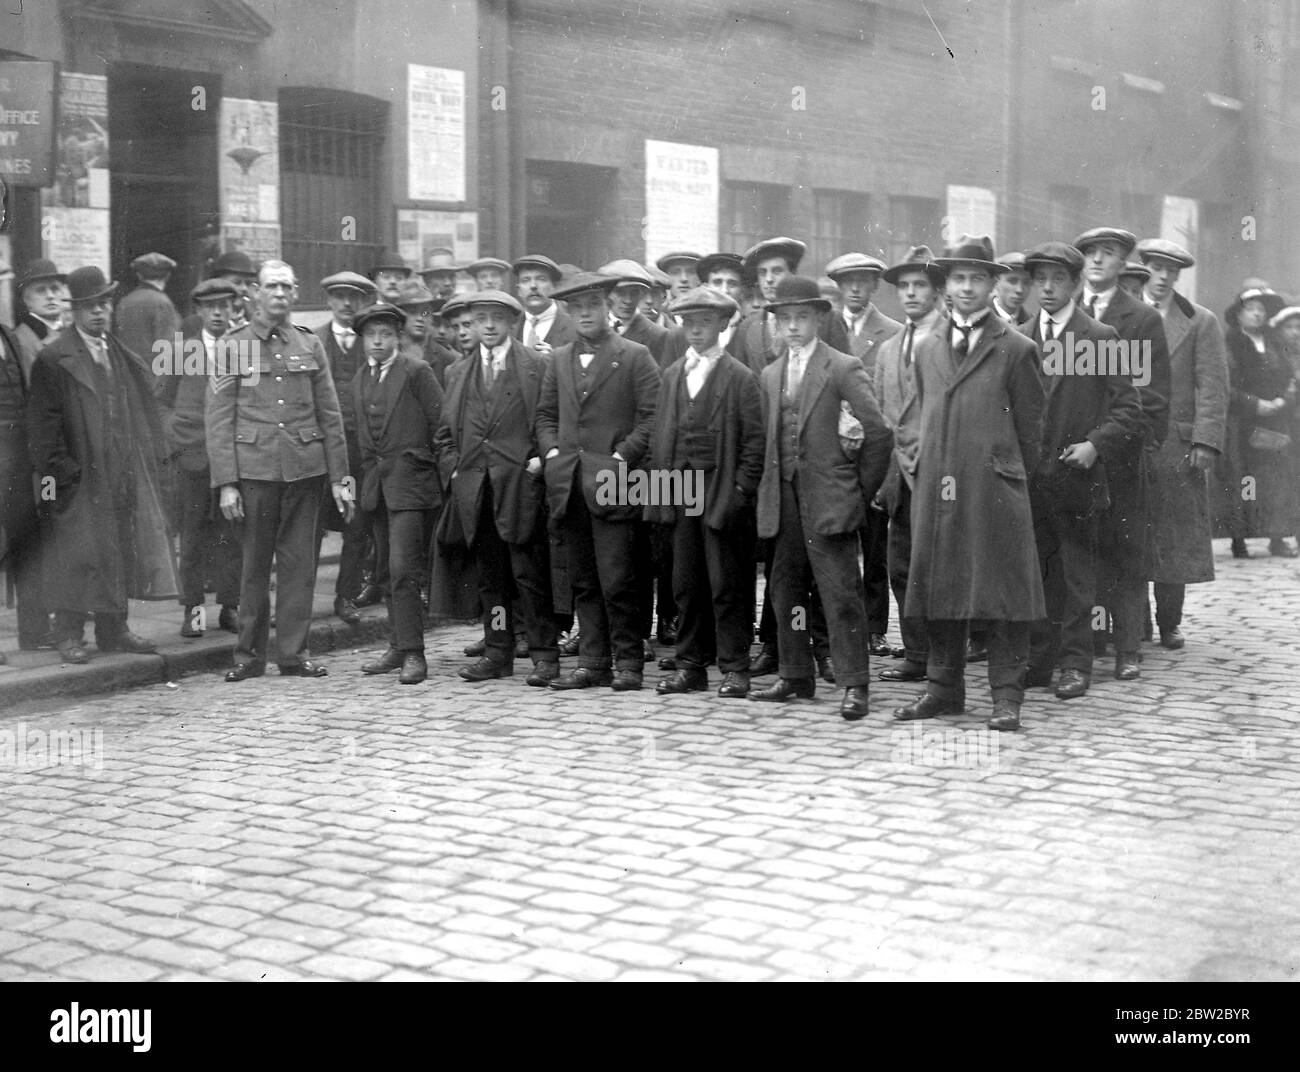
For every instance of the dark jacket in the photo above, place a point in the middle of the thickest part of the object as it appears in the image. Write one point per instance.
(654, 337)
(182, 400)
(403, 461)
(755, 344)
(143, 317)
(562, 332)
(1138, 322)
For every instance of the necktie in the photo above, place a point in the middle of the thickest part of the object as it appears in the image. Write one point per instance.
(692, 363)
(963, 344)
(1092, 307)
(1048, 333)
(908, 334)
(794, 371)
(374, 371)
(345, 339)
(488, 374)
(618, 327)
(530, 336)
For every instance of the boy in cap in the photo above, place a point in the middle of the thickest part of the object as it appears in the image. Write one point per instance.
(544, 325)
(813, 493)
(973, 557)
(460, 320)
(1010, 291)
(1088, 421)
(709, 421)
(417, 302)
(490, 460)
(594, 420)
(236, 268)
(147, 315)
(1133, 279)
(680, 268)
(399, 408)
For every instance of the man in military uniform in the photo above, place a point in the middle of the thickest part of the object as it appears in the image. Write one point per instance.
(146, 314)
(273, 439)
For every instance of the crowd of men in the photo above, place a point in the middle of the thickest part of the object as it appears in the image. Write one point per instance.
(586, 461)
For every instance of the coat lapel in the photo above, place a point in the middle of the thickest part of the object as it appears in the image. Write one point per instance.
(396, 383)
(1177, 325)
(78, 363)
(606, 361)
(994, 328)
(815, 378)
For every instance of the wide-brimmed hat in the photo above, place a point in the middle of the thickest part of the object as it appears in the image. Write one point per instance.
(790, 249)
(848, 263)
(1090, 237)
(495, 297)
(974, 250)
(703, 299)
(379, 311)
(1283, 315)
(1166, 250)
(38, 270)
(441, 259)
(918, 259)
(88, 284)
(1272, 301)
(798, 290)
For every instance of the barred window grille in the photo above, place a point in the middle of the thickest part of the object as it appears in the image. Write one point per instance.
(841, 224)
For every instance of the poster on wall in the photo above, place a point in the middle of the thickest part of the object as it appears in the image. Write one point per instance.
(1180, 221)
(249, 176)
(27, 133)
(421, 230)
(681, 198)
(76, 237)
(75, 217)
(972, 210)
(435, 123)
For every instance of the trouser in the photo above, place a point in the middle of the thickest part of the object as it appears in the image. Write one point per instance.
(713, 584)
(1121, 553)
(916, 646)
(654, 581)
(1008, 644)
(358, 556)
(1067, 559)
(209, 544)
(1169, 605)
(767, 632)
(875, 570)
(279, 523)
(22, 528)
(602, 576)
(514, 585)
(399, 544)
(799, 558)
(71, 625)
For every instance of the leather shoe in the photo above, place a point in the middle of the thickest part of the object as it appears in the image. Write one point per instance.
(188, 628)
(854, 706)
(571, 644)
(127, 641)
(1006, 715)
(647, 652)
(879, 646)
(1072, 684)
(477, 649)
(826, 669)
(785, 688)
(735, 685)
(369, 595)
(686, 679)
(306, 668)
(543, 674)
(228, 619)
(73, 651)
(414, 668)
(386, 663)
(346, 611)
(667, 632)
(626, 681)
(1281, 549)
(1171, 638)
(668, 662)
(929, 706)
(485, 670)
(521, 646)
(243, 671)
(909, 671)
(582, 678)
(976, 651)
(44, 642)
(766, 663)
(1126, 666)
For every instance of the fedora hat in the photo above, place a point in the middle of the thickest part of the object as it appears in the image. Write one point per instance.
(972, 249)
(918, 259)
(798, 290)
(88, 284)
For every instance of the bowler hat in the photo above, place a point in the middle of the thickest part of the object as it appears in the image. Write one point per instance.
(379, 311)
(974, 250)
(234, 262)
(347, 281)
(153, 264)
(389, 262)
(703, 299)
(213, 290)
(731, 262)
(1059, 254)
(791, 249)
(1126, 239)
(847, 263)
(677, 255)
(495, 297)
(537, 260)
(798, 290)
(37, 270)
(626, 272)
(88, 284)
(1166, 250)
(583, 282)
(918, 259)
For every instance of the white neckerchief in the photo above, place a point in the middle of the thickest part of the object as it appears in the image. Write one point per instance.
(698, 367)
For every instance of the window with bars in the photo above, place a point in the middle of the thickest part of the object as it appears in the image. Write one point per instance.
(914, 221)
(752, 211)
(331, 168)
(841, 224)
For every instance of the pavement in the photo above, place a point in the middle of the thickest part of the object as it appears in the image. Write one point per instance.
(354, 828)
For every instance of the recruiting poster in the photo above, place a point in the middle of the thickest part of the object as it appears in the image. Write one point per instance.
(420, 231)
(76, 237)
(1180, 221)
(26, 122)
(681, 198)
(249, 174)
(435, 123)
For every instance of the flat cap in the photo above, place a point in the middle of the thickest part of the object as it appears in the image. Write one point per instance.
(854, 262)
(971, 249)
(918, 259)
(1133, 270)
(780, 246)
(1012, 260)
(583, 282)
(625, 271)
(703, 300)
(798, 290)
(495, 297)
(538, 260)
(213, 290)
(153, 262)
(658, 277)
(488, 262)
(713, 262)
(1166, 250)
(676, 255)
(234, 262)
(453, 306)
(347, 280)
(1126, 239)
(1061, 254)
(411, 293)
(379, 311)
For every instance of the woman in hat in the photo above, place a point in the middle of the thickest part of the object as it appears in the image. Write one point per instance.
(1263, 394)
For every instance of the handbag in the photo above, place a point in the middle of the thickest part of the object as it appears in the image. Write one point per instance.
(1267, 439)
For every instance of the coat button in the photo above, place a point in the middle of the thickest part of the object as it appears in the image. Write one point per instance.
(282, 424)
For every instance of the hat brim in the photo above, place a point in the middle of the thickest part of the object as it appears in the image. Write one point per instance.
(29, 280)
(949, 263)
(110, 289)
(822, 303)
(1177, 262)
(896, 272)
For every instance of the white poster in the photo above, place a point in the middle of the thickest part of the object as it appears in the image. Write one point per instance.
(972, 210)
(421, 230)
(76, 237)
(681, 198)
(435, 141)
(249, 175)
(1180, 221)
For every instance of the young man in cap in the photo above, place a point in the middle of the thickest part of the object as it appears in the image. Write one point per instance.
(43, 295)
(544, 325)
(1125, 527)
(813, 495)
(398, 404)
(709, 428)
(417, 341)
(461, 322)
(1010, 291)
(680, 267)
(973, 556)
(93, 429)
(919, 282)
(1089, 420)
(272, 444)
(1133, 279)
(654, 299)
(345, 294)
(490, 273)
(388, 274)
(209, 543)
(233, 267)
(725, 273)
(1180, 550)
(439, 272)
(147, 315)
(492, 465)
(594, 420)
(625, 316)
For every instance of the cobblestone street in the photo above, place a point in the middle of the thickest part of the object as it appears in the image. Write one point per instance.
(351, 828)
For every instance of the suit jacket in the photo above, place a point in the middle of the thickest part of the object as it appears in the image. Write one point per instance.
(876, 328)
(403, 461)
(735, 428)
(286, 426)
(562, 331)
(501, 455)
(1138, 322)
(833, 488)
(896, 393)
(652, 336)
(182, 400)
(756, 344)
(343, 368)
(143, 317)
(613, 415)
